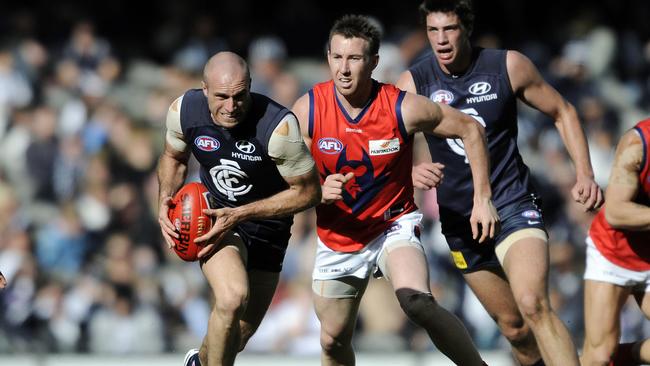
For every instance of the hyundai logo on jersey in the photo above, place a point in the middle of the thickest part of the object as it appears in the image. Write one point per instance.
(244, 146)
(330, 145)
(480, 88)
(442, 96)
(207, 143)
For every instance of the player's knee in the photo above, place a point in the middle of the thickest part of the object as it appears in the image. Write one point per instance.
(332, 343)
(515, 330)
(417, 305)
(534, 307)
(231, 303)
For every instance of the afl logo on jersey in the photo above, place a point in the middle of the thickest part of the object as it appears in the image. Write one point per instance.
(329, 145)
(207, 143)
(480, 88)
(531, 214)
(244, 146)
(442, 96)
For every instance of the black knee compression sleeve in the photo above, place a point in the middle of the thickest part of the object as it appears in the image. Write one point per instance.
(417, 305)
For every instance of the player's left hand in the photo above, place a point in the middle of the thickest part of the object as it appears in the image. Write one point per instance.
(587, 193)
(223, 220)
(484, 214)
(3, 281)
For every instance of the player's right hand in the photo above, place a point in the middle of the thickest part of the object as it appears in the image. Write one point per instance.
(3, 281)
(166, 226)
(333, 187)
(427, 175)
(484, 214)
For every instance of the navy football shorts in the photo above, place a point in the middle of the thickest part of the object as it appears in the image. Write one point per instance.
(468, 254)
(266, 241)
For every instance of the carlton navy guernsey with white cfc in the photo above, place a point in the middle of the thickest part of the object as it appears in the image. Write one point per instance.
(483, 92)
(235, 165)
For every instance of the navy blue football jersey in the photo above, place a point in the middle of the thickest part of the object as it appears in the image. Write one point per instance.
(484, 92)
(234, 162)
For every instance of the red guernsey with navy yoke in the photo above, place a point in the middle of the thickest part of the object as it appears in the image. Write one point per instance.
(628, 249)
(376, 148)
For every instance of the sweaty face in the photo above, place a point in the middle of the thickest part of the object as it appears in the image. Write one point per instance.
(447, 37)
(350, 65)
(228, 98)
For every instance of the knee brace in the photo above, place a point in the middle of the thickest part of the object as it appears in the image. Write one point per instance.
(417, 305)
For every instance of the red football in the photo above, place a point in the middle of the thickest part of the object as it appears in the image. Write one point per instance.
(186, 213)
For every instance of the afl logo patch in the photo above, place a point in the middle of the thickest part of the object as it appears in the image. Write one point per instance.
(480, 88)
(329, 145)
(442, 96)
(531, 214)
(207, 143)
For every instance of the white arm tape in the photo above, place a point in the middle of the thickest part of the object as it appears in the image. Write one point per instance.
(287, 148)
(174, 135)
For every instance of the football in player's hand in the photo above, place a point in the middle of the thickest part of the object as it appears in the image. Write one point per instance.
(186, 213)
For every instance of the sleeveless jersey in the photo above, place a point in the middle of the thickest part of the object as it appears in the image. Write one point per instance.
(628, 249)
(234, 162)
(376, 148)
(484, 92)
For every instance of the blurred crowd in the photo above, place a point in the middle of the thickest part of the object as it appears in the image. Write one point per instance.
(81, 127)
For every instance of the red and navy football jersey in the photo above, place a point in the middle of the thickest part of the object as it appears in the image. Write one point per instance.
(377, 149)
(628, 249)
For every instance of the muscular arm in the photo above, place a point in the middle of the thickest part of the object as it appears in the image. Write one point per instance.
(531, 88)
(172, 169)
(422, 115)
(425, 174)
(621, 211)
(301, 111)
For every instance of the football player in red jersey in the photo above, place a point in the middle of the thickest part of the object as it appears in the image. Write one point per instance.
(618, 255)
(360, 134)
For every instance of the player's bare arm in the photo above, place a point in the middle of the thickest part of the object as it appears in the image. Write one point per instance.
(422, 115)
(172, 170)
(621, 211)
(301, 110)
(294, 162)
(529, 86)
(426, 174)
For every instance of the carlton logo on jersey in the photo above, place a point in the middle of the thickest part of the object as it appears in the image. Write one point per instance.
(207, 143)
(442, 96)
(229, 179)
(456, 145)
(330, 145)
(383, 147)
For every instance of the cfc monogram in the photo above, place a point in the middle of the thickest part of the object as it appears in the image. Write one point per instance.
(230, 179)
